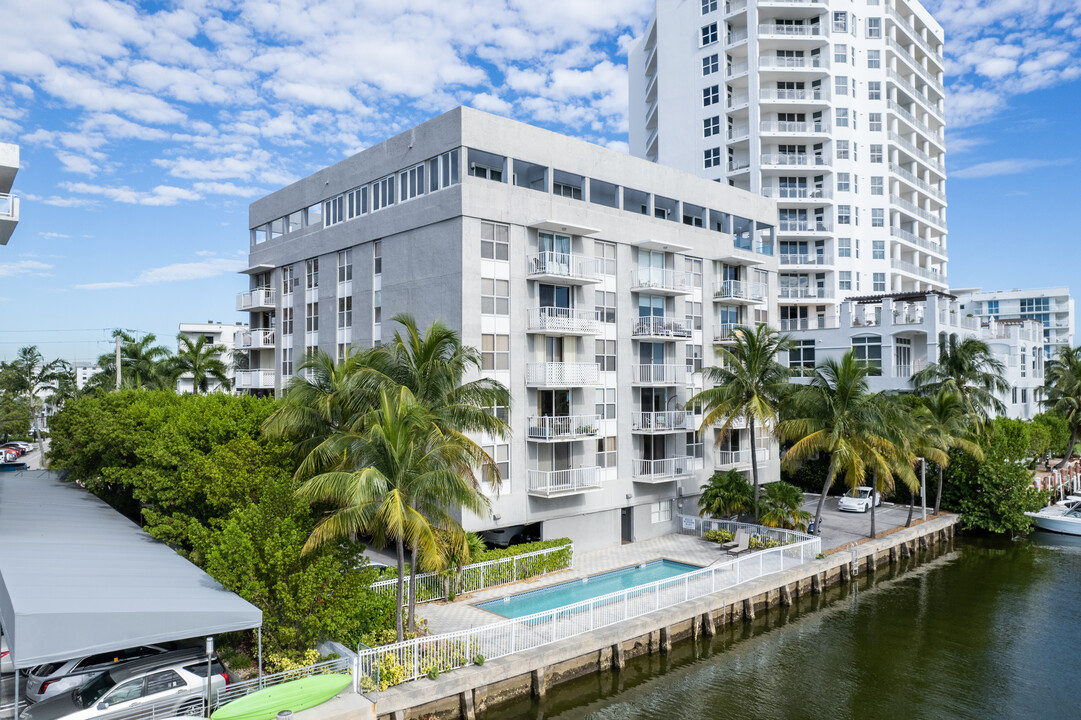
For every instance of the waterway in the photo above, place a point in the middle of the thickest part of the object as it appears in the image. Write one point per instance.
(983, 628)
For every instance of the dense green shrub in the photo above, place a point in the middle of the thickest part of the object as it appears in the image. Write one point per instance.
(718, 536)
(536, 566)
(1058, 430)
(810, 476)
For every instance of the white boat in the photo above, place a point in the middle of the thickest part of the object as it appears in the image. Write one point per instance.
(1060, 519)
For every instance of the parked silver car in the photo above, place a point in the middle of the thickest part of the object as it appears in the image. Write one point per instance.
(167, 685)
(52, 679)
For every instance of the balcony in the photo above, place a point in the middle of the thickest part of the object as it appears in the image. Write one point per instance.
(903, 53)
(917, 240)
(662, 422)
(813, 323)
(660, 328)
(806, 258)
(255, 380)
(257, 299)
(805, 293)
(794, 128)
(812, 227)
(736, 36)
(907, 145)
(796, 193)
(257, 339)
(916, 182)
(790, 31)
(9, 216)
(561, 374)
(663, 470)
(918, 125)
(741, 291)
(548, 428)
(738, 67)
(913, 209)
(662, 282)
(816, 96)
(738, 165)
(661, 375)
(725, 333)
(559, 483)
(909, 30)
(735, 6)
(563, 267)
(925, 273)
(910, 89)
(737, 99)
(810, 62)
(730, 459)
(794, 160)
(563, 321)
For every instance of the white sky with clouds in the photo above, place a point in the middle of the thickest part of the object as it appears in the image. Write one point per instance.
(146, 131)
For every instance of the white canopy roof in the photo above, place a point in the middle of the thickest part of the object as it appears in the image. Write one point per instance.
(77, 577)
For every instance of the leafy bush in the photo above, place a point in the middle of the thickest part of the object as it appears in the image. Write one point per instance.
(718, 536)
(810, 476)
(280, 662)
(1058, 430)
(755, 543)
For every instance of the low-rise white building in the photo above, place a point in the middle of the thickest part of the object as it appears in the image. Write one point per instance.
(898, 334)
(1052, 307)
(228, 337)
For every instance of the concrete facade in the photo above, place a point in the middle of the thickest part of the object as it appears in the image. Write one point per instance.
(1052, 307)
(594, 284)
(834, 109)
(228, 337)
(9, 204)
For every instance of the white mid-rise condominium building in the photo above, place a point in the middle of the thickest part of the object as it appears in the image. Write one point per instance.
(833, 108)
(223, 336)
(9, 204)
(1051, 307)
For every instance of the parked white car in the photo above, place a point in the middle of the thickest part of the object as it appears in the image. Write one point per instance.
(52, 679)
(858, 500)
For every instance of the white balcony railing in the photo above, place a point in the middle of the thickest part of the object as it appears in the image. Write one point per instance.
(733, 458)
(563, 265)
(737, 67)
(257, 339)
(661, 279)
(659, 422)
(725, 332)
(563, 320)
(806, 258)
(809, 62)
(663, 327)
(793, 292)
(561, 374)
(913, 209)
(672, 467)
(737, 99)
(741, 290)
(738, 164)
(916, 240)
(790, 30)
(816, 95)
(915, 181)
(811, 323)
(659, 374)
(736, 35)
(921, 126)
(255, 380)
(793, 128)
(554, 483)
(9, 206)
(259, 298)
(796, 193)
(917, 270)
(559, 427)
(804, 226)
(794, 160)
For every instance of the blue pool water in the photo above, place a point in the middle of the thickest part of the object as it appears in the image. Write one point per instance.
(570, 593)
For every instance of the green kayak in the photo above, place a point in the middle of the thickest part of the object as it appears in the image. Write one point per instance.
(295, 695)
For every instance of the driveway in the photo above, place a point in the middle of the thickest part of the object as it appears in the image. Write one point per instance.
(842, 528)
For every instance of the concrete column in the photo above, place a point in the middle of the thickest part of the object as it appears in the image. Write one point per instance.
(708, 626)
(872, 562)
(893, 555)
(846, 573)
(480, 699)
(666, 639)
(748, 609)
(465, 703)
(619, 658)
(816, 584)
(538, 683)
(786, 596)
(696, 626)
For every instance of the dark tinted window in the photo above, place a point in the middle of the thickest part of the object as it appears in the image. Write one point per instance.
(163, 681)
(216, 668)
(47, 670)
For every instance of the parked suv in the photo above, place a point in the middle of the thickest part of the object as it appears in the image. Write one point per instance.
(51, 679)
(166, 685)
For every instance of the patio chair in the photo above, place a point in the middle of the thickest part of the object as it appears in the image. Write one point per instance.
(742, 539)
(742, 543)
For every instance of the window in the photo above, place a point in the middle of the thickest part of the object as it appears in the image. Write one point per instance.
(1024, 391)
(605, 356)
(311, 273)
(494, 296)
(1015, 396)
(345, 312)
(874, 27)
(411, 183)
(605, 408)
(287, 361)
(709, 33)
(606, 452)
(710, 64)
(711, 126)
(992, 307)
(315, 214)
(801, 354)
(712, 157)
(708, 6)
(443, 171)
(878, 249)
(844, 182)
(874, 90)
(163, 681)
(334, 211)
(1032, 305)
(694, 444)
(605, 252)
(840, 53)
(288, 279)
(287, 320)
(842, 149)
(844, 280)
(874, 59)
(295, 221)
(495, 352)
(377, 257)
(500, 454)
(606, 306)
(125, 692)
(876, 153)
(840, 85)
(694, 315)
(878, 218)
(486, 172)
(693, 267)
(311, 317)
(377, 306)
(877, 185)
(494, 241)
(868, 350)
(840, 22)
(383, 193)
(567, 190)
(844, 247)
(660, 511)
(874, 122)
(711, 95)
(842, 117)
(694, 358)
(878, 281)
(277, 228)
(345, 265)
(497, 411)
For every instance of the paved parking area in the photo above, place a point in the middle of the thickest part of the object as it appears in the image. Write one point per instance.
(843, 528)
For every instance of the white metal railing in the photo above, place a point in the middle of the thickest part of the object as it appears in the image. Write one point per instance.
(656, 422)
(9, 206)
(664, 468)
(553, 427)
(737, 35)
(560, 374)
(255, 379)
(237, 690)
(553, 483)
(659, 374)
(741, 290)
(794, 63)
(921, 184)
(724, 332)
(795, 128)
(185, 704)
(737, 67)
(917, 270)
(257, 298)
(909, 88)
(806, 258)
(815, 226)
(906, 25)
(565, 265)
(814, 95)
(902, 371)
(729, 458)
(796, 193)
(792, 292)
(448, 651)
(257, 338)
(478, 576)
(662, 279)
(913, 209)
(910, 59)
(790, 30)
(656, 326)
(798, 159)
(923, 127)
(569, 320)
(915, 239)
(811, 323)
(737, 165)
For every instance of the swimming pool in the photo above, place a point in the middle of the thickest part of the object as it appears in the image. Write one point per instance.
(576, 591)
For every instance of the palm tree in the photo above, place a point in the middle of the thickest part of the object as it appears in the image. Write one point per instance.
(402, 482)
(969, 369)
(834, 415)
(200, 360)
(889, 450)
(749, 383)
(782, 507)
(945, 425)
(32, 376)
(1062, 384)
(143, 365)
(725, 494)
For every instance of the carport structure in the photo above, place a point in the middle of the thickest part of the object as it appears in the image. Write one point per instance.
(78, 578)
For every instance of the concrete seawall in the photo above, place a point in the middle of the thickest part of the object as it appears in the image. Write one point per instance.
(469, 691)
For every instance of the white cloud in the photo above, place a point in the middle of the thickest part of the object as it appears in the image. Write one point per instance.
(52, 235)
(23, 267)
(160, 195)
(177, 272)
(227, 188)
(1013, 166)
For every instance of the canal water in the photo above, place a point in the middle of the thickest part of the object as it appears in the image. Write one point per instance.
(983, 628)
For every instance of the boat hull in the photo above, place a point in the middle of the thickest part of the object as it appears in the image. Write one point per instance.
(295, 695)
(1057, 523)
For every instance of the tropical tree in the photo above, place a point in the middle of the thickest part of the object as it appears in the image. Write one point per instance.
(203, 362)
(1062, 387)
(749, 383)
(725, 494)
(944, 424)
(143, 365)
(890, 449)
(969, 369)
(403, 482)
(782, 507)
(31, 376)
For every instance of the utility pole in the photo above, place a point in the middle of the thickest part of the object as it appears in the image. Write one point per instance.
(117, 360)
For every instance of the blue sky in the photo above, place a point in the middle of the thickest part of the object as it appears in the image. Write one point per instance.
(147, 129)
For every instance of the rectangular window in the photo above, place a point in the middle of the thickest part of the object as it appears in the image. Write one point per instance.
(708, 6)
(383, 193)
(311, 317)
(345, 312)
(287, 362)
(311, 273)
(710, 64)
(605, 407)
(693, 266)
(874, 59)
(606, 306)
(377, 257)
(711, 95)
(840, 22)
(494, 241)
(840, 53)
(295, 221)
(992, 307)
(878, 218)
(694, 358)
(494, 296)
(345, 265)
(874, 122)
(287, 320)
(876, 153)
(660, 511)
(495, 352)
(844, 279)
(844, 247)
(377, 306)
(606, 452)
(605, 356)
(712, 157)
(500, 454)
(442, 171)
(844, 182)
(411, 183)
(874, 90)
(288, 279)
(840, 85)
(842, 117)
(874, 27)
(801, 354)
(879, 282)
(842, 149)
(605, 252)
(711, 126)
(868, 350)
(709, 33)
(315, 214)
(694, 314)
(878, 249)
(844, 214)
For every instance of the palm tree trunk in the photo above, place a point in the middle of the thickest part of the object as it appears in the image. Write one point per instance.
(938, 495)
(401, 587)
(413, 592)
(822, 498)
(874, 492)
(911, 507)
(1069, 451)
(754, 469)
